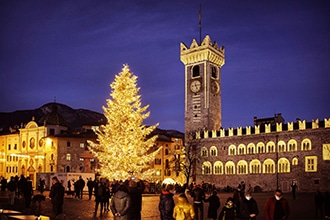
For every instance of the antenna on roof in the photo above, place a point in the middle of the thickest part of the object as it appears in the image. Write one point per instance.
(200, 22)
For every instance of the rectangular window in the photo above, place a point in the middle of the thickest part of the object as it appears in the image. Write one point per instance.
(8, 146)
(68, 143)
(310, 163)
(82, 145)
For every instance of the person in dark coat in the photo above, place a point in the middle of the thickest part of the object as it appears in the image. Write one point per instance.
(90, 186)
(277, 207)
(248, 208)
(228, 211)
(27, 191)
(121, 203)
(57, 196)
(100, 194)
(136, 189)
(198, 195)
(166, 202)
(214, 204)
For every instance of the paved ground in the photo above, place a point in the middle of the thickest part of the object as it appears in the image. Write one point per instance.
(301, 208)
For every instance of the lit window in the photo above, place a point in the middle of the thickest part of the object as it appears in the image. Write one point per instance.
(283, 165)
(82, 145)
(206, 169)
(68, 156)
(306, 144)
(204, 152)
(218, 168)
(255, 166)
(232, 150)
(269, 166)
(213, 151)
(81, 159)
(311, 163)
(270, 147)
(242, 167)
(241, 149)
(230, 167)
(295, 161)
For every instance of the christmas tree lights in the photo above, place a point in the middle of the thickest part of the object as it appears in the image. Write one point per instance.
(123, 146)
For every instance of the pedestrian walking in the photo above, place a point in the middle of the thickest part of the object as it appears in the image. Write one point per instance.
(57, 196)
(120, 204)
(214, 204)
(277, 207)
(11, 186)
(183, 210)
(318, 201)
(136, 188)
(248, 208)
(228, 211)
(327, 204)
(99, 196)
(166, 202)
(198, 195)
(90, 186)
(293, 190)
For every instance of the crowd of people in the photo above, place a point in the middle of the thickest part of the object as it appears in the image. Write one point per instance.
(240, 206)
(124, 199)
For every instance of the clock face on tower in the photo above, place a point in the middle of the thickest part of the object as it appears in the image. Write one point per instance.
(215, 88)
(195, 86)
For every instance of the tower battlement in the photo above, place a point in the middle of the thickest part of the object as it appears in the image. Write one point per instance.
(207, 50)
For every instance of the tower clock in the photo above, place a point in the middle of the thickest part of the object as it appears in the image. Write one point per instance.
(202, 64)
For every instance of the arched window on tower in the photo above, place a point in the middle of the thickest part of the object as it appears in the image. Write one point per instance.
(241, 149)
(195, 71)
(260, 148)
(292, 145)
(214, 72)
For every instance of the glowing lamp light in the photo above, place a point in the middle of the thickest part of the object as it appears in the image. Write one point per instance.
(168, 181)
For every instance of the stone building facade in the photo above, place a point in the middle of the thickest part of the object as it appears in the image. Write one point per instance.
(268, 155)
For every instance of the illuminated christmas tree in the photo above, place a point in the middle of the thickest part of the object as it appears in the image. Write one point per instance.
(124, 144)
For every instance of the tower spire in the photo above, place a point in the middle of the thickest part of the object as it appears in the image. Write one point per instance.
(200, 22)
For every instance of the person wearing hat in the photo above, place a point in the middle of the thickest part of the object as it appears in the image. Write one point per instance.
(57, 196)
(228, 211)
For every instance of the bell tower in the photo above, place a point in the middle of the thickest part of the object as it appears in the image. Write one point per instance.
(202, 65)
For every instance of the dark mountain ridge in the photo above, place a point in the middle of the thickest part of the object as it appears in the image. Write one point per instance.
(74, 118)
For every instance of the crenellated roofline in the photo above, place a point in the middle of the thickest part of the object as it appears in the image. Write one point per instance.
(267, 128)
(205, 51)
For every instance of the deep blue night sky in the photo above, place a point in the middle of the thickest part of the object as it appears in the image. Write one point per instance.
(277, 55)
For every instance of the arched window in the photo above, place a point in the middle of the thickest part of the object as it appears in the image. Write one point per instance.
(204, 152)
(213, 151)
(207, 168)
(281, 146)
(166, 151)
(230, 168)
(195, 72)
(251, 148)
(292, 145)
(306, 144)
(270, 147)
(295, 161)
(269, 166)
(242, 167)
(214, 72)
(283, 165)
(261, 148)
(218, 168)
(255, 166)
(241, 149)
(232, 150)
